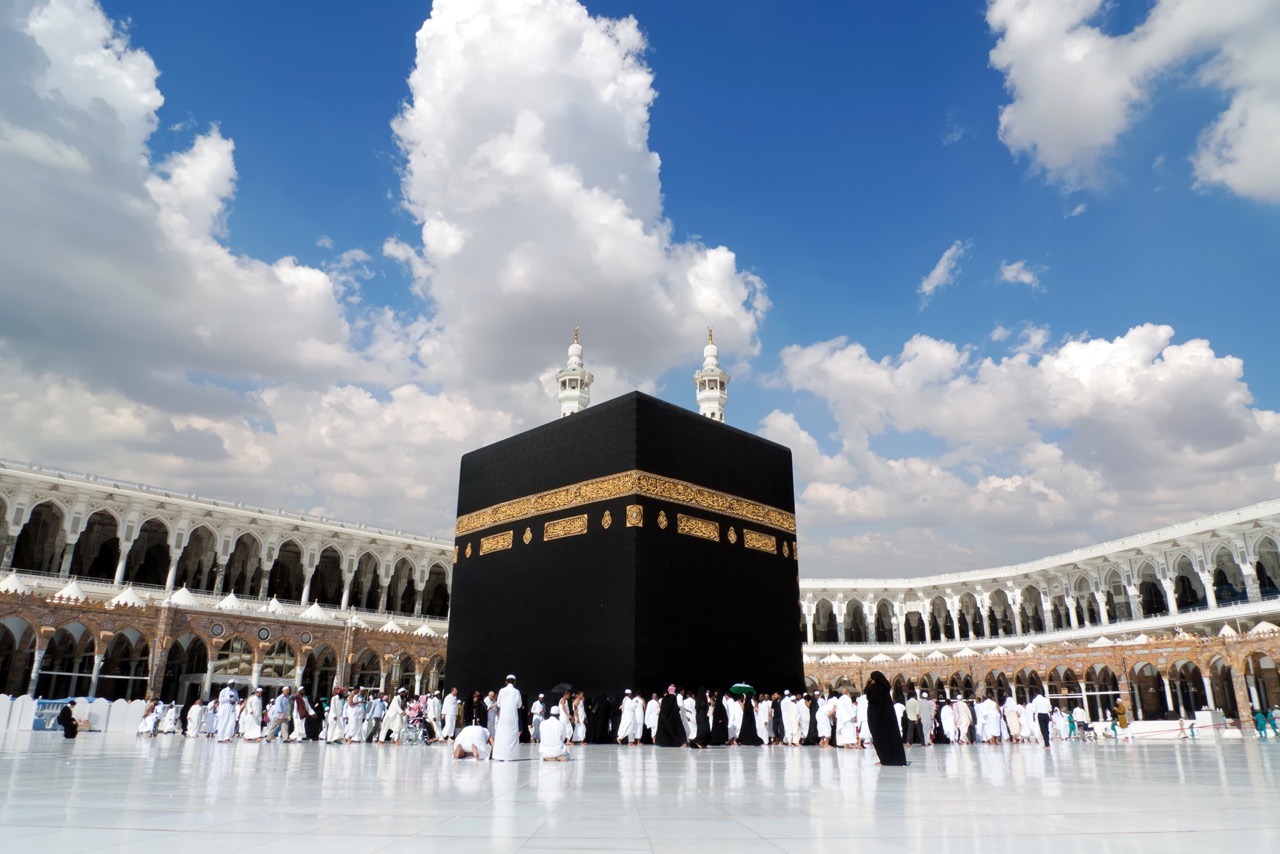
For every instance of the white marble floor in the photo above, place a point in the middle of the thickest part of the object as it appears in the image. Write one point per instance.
(105, 793)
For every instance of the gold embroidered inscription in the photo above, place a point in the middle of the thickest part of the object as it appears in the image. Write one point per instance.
(528, 535)
(496, 542)
(635, 516)
(760, 542)
(606, 520)
(570, 526)
(662, 519)
(695, 527)
(733, 535)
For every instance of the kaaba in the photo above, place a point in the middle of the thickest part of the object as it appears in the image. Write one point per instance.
(632, 544)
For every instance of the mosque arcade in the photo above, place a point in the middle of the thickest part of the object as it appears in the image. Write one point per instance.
(122, 590)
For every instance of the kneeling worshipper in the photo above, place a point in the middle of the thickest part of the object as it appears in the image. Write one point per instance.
(671, 731)
(474, 741)
(67, 720)
(551, 738)
(886, 737)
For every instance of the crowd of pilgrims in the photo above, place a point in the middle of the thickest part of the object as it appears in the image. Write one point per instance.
(677, 717)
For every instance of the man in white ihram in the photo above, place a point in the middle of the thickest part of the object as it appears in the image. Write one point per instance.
(506, 736)
(449, 713)
(228, 700)
(551, 744)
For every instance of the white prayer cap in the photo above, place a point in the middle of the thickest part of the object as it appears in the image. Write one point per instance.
(555, 710)
(403, 691)
(511, 678)
(628, 691)
(786, 693)
(540, 696)
(231, 681)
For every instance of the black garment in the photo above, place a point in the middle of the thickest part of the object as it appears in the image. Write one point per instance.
(1044, 728)
(469, 708)
(779, 731)
(67, 720)
(701, 720)
(747, 734)
(670, 726)
(882, 721)
(600, 722)
(811, 737)
(719, 734)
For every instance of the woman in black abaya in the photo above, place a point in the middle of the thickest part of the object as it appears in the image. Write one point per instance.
(747, 734)
(701, 720)
(882, 721)
(600, 722)
(670, 724)
(811, 737)
(719, 722)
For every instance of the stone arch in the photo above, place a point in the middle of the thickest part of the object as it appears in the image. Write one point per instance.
(1262, 683)
(1147, 689)
(41, 540)
(279, 664)
(1102, 689)
(824, 622)
(327, 581)
(969, 621)
(126, 667)
(402, 592)
(67, 667)
(184, 669)
(435, 597)
(286, 579)
(148, 561)
(233, 661)
(97, 551)
(366, 671)
(886, 631)
(321, 672)
(1117, 597)
(1268, 567)
(941, 622)
(1228, 578)
(1151, 599)
(1086, 605)
(855, 623)
(1026, 685)
(1000, 614)
(17, 655)
(961, 685)
(913, 626)
(242, 565)
(1222, 684)
(1188, 589)
(900, 688)
(366, 586)
(997, 685)
(1186, 685)
(1064, 687)
(199, 558)
(1032, 610)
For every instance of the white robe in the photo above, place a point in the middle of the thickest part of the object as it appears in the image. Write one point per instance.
(948, 718)
(846, 721)
(690, 715)
(864, 731)
(790, 721)
(393, 720)
(211, 719)
(628, 726)
(251, 718)
(734, 710)
(651, 717)
(988, 720)
(825, 708)
(551, 743)
(537, 714)
(195, 719)
(353, 721)
(333, 721)
(169, 722)
(764, 717)
(449, 716)
(506, 736)
(228, 699)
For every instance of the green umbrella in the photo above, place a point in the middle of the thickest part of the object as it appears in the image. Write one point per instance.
(742, 688)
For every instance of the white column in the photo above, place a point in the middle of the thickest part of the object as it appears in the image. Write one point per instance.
(1135, 603)
(928, 626)
(1170, 600)
(1250, 570)
(837, 611)
(298, 678)
(1208, 692)
(208, 682)
(36, 658)
(808, 608)
(1210, 595)
(417, 683)
(97, 669)
(257, 674)
(174, 556)
(1168, 696)
(1071, 611)
(417, 603)
(67, 554)
(306, 586)
(1101, 600)
(346, 592)
(125, 548)
(6, 560)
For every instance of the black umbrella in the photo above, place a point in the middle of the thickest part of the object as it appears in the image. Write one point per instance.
(562, 688)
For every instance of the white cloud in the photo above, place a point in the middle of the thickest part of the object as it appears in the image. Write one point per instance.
(1076, 211)
(1049, 447)
(529, 170)
(1076, 89)
(1018, 273)
(954, 134)
(945, 271)
(1000, 333)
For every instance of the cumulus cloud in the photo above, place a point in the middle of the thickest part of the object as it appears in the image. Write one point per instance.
(1076, 211)
(944, 272)
(526, 140)
(1019, 456)
(1018, 273)
(135, 343)
(1077, 89)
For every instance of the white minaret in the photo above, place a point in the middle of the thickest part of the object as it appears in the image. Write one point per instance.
(575, 381)
(711, 382)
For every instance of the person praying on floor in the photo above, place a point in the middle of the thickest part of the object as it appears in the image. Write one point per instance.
(552, 738)
(473, 742)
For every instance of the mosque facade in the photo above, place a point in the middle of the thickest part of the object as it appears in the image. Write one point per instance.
(122, 590)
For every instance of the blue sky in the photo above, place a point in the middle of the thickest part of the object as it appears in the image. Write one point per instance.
(837, 152)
